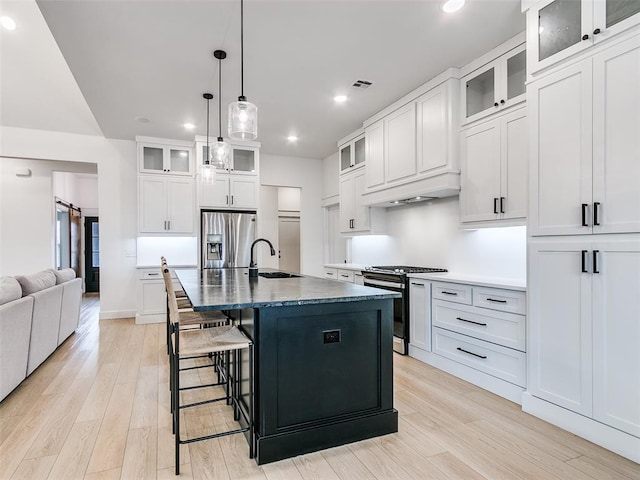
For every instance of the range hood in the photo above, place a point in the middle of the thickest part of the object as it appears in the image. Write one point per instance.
(446, 184)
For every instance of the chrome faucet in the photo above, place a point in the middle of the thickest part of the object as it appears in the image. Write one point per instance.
(253, 268)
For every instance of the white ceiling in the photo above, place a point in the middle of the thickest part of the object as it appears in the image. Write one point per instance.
(154, 59)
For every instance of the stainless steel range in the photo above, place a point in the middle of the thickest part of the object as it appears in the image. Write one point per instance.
(394, 278)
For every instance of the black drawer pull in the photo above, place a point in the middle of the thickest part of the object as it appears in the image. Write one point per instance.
(495, 205)
(584, 215)
(471, 353)
(584, 261)
(501, 204)
(471, 321)
(153, 274)
(344, 276)
(417, 284)
(595, 261)
(444, 292)
(496, 301)
(596, 221)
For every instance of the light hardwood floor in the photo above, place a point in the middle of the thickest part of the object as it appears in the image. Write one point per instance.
(98, 409)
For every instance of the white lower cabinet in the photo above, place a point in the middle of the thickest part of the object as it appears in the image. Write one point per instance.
(331, 273)
(152, 297)
(420, 314)
(584, 328)
(473, 331)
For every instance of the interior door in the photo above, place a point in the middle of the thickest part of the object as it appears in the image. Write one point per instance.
(289, 244)
(91, 254)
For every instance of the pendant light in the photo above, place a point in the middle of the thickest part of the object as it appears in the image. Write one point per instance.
(207, 171)
(243, 115)
(220, 151)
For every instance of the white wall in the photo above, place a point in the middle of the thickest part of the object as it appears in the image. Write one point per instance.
(117, 197)
(27, 213)
(267, 226)
(289, 199)
(282, 171)
(428, 234)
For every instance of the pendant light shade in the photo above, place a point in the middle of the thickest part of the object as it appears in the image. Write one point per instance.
(243, 120)
(207, 171)
(220, 152)
(243, 115)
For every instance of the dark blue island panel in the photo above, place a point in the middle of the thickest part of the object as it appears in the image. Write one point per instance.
(324, 376)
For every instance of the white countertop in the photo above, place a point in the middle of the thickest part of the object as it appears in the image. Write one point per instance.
(456, 277)
(345, 266)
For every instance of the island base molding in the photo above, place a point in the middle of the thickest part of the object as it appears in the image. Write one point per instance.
(298, 442)
(610, 438)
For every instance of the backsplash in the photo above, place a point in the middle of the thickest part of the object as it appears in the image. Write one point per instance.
(428, 234)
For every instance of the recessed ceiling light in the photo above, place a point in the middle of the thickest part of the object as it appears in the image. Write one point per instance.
(292, 138)
(142, 119)
(189, 126)
(8, 22)
(340, 98)
(452, 5)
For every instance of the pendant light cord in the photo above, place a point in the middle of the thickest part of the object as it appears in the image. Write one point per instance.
(207, 159)
(242, 48)
(219, 99)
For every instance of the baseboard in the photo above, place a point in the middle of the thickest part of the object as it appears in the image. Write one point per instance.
(116, 314)
(146, 319)
(480, 379)
(610, 438)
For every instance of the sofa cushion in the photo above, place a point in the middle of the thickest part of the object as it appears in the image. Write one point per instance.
(10, 290)
(64, 275)
(36, 282)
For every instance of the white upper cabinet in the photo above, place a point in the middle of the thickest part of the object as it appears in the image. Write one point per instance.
(412, 147)
(230, 191)
(244, 158)
(165, 159)
(584, 169)
(166, 204)
(355, 217)
(494, 170)
(558, 29)
(374, 138)
(352, 152)
(495, 86)
(400, 143)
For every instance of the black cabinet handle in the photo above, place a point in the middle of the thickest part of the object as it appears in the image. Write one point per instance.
(227, 199)
(584, 215)
(585, 36)
(495, 204)
(495, 104)
(471, 321)
(595, 261)
(417, 284)
(471, 353)
(496, 301)
(596, 31)
(502, 102)
(501, 204)
(444, 292)
(584, 261)
(595, 213)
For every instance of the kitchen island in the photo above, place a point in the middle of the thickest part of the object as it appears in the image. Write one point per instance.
(324, 358)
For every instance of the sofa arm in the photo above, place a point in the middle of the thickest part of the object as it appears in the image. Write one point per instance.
(44, 325)
(70, 311)
(15, 325)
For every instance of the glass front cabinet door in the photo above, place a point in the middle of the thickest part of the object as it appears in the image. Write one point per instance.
(171, 160)
(495, 86)
(558, 29)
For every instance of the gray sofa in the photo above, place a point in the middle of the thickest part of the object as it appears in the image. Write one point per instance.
(37, 313)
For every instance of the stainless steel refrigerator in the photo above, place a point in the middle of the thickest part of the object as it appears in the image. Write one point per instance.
(226, 238)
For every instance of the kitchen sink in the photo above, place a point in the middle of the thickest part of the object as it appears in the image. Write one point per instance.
(277, 275)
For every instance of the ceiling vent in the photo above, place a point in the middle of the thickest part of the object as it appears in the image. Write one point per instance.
(362, 84)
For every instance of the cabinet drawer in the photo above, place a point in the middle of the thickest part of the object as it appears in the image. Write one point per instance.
(501, 362)
(502, 300)
(452, 292)
(504, 329)
(155, 274)
(345, 275)
(331, 273)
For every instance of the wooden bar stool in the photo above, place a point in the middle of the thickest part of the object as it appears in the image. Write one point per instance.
(228, 340)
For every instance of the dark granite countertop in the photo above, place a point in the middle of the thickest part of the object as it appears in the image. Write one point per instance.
(229, 289)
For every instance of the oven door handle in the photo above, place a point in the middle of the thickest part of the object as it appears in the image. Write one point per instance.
(370, 282)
